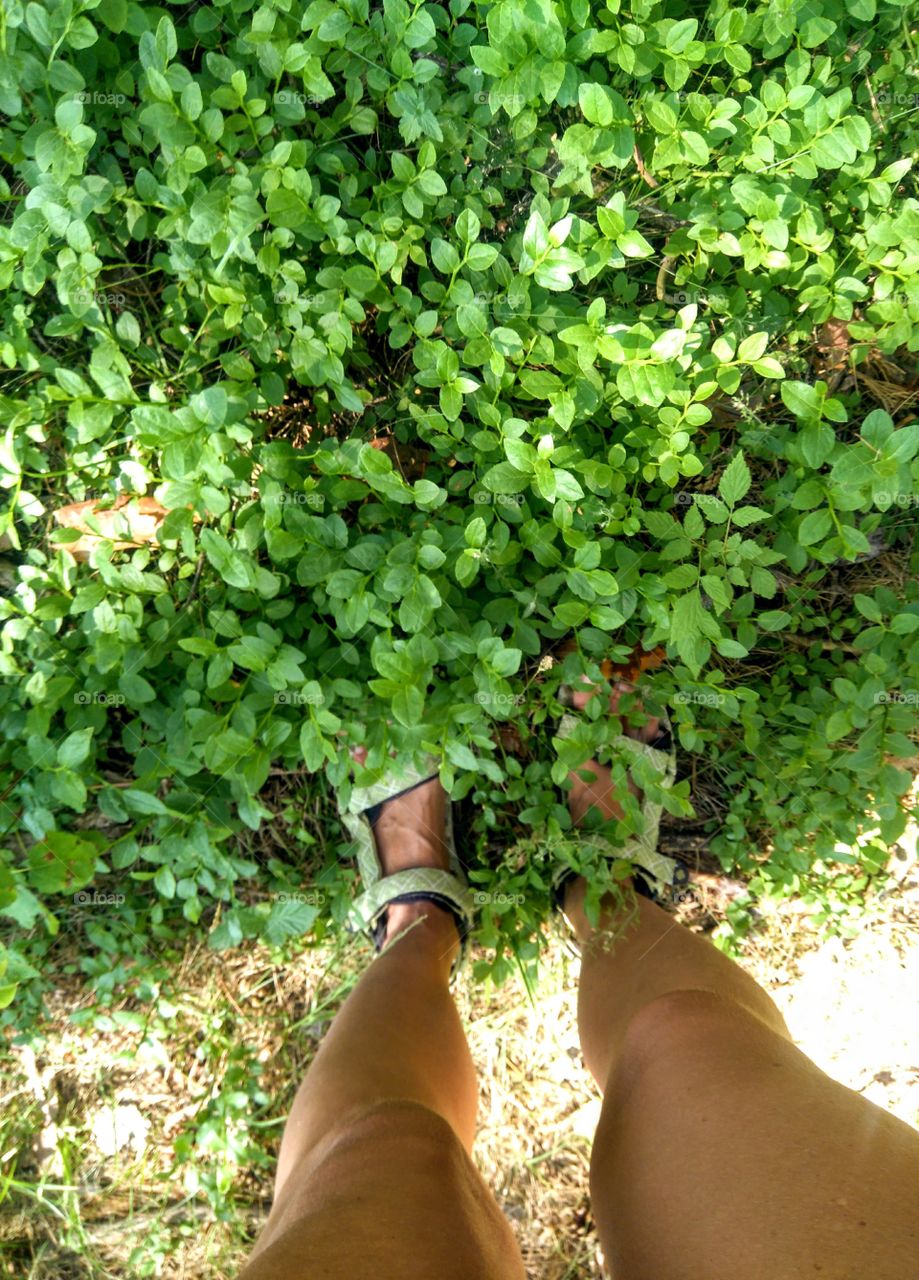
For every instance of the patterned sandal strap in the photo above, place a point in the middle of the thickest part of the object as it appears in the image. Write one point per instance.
(415, 884)
(641, 849)
(445, 888)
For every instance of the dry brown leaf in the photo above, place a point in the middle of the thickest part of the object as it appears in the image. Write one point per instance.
(141, 515)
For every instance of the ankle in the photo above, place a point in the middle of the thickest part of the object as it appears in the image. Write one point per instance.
(424, 919)
(573, 907)
(615, 909)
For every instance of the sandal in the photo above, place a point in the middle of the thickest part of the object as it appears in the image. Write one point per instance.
(447, 889)
(656, 875)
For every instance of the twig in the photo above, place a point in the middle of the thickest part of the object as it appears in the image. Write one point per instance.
(660, 284)
(805, 642)
(649, 178)
(194, 582)
(874, 102)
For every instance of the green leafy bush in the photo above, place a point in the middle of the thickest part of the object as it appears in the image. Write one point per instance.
(443, 332)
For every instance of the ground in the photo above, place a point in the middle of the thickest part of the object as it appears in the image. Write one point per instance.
(144, 1145)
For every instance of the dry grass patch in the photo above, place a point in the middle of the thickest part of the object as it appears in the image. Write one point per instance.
(144, 1145)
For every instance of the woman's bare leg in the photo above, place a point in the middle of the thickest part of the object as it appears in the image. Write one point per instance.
(722, 1151)
(374, 1176)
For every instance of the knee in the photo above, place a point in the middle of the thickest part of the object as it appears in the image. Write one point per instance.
(419, 1151)
(399, 1123)
(671, 1025)
(677, 1012)
(395, 1169)
(391, 1134)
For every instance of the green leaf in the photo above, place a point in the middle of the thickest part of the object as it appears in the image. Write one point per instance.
(634, 245)
(838, 725)
(460, 755)
(419, 31)
(669, 345)
(817, 443)
(466, 568)
(506, 661)
(74, 749)
(693, 522)
(504, 478)
(867, 607)
(428, 495)
(730, 648)
(467, 226)
(714, 509)
(610, 222)
(814, 527)
(481, 257)
(61, 862)
(444, 256)
(311, 745)
(476, 532)
(681, 577)
(141, 802)
(292, 915)
(688, 616)
(232, 565)
(408, 705)
(595, 104)
(419, 604)
(38, 24)
(774, 620)
(752, 348)
(801, 398)
(165, 882)
(743, 516)
(735, 481)
(680, 34)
